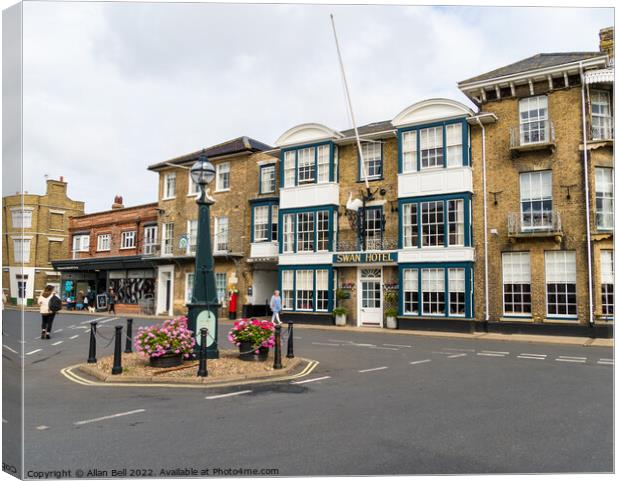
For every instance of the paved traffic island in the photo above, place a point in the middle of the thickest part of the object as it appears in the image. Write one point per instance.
(228, 370)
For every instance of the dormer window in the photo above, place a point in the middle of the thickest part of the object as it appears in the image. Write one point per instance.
(307, 165)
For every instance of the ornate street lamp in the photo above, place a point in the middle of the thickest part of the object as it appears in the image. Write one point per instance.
(204, 303)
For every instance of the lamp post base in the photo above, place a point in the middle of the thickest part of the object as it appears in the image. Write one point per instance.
(204, 315)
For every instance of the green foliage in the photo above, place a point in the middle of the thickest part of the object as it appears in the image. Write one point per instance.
(339, 311)
(391, 312)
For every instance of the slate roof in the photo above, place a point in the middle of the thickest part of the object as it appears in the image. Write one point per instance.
(541, 60)
(234, 146)
(369, 128)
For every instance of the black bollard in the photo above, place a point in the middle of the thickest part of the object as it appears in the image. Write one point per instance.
(92, 349)
(289, 345)
(202, 354)
(277, 355)
(128, 339)
(117, 368)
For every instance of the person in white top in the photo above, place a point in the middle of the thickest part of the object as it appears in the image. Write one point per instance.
(47, 315)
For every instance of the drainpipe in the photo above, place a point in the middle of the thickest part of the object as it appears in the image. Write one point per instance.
(486, 239)
(586, 180)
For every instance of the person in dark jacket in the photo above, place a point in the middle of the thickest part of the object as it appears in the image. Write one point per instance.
(47, 314)
(112, 298)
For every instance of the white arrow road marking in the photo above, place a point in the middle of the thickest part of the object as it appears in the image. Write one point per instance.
(9, 348)
(73, 337)
(111, 416)
(420, 362)
(310, 380)
(32, 352)
(219, 396)
(457, 355)
(374, 369)
(57, 342)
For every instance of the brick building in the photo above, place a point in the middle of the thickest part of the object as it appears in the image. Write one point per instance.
(542, 150)
(35, 234)
(113, 249)
(244, 177)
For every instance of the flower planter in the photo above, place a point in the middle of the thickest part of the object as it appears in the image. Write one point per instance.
(341, 320)
(391, 322)
(246, 353)
(170, 359)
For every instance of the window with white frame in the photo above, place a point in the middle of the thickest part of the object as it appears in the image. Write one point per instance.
(536, 200)
(604, 198)
(322, 161)
(431, 147)
(601, 115)
(189, 287)
(456, 289)
(322, 288)
(411, 301)
(192, 234)
(374, 228)
(304, 287)
(305, 232)
(433, 291)
(267, 179)
(288, 233)
(220, 286)
(274, 223)
(221, 234)
(373, 161)
(104, 242)
(222, 176)
(607, 282)
(128, 239)
(21, 250)
(456, 222)
(432, 223)
(305, 165)
(533, 120)
(410, 150)
(81, 242)
(287, 290)
(410, 225)
(289, 168)
(517, 281)
(561, 280)
(21, 218)
(167, 238)
(150, 239)
(261, 223)
(170, 185)
(322, 230)
(454, 145)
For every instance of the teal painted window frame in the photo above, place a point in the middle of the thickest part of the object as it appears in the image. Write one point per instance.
(330, 219)
(296, 149)
(262, 203)
(311, 267)
(262, 169)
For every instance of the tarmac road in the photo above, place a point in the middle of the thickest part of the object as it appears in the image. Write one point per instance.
(378, 403)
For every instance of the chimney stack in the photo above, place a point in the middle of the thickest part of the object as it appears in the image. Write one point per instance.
(118, 202)
(606, 41)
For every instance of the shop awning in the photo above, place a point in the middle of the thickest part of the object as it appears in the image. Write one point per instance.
(104, 263)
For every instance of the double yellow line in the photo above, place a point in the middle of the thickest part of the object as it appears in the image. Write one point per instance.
(69, 373)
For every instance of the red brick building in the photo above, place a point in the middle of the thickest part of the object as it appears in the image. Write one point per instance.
(113, 249)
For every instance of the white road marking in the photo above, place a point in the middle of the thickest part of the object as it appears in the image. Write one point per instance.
(573, 357)
(457, 355)
(535, 355)
(73, 337)
(374, 369)
(420, 362)
(230, 394)
(605, 362)
(457, 349)
(32, 352)
(490, 354)
(311, 380)
(42, 427)
(325, 344)
(108, 320)
(111, 416)
(338, 340)
(571, 360)
(397, 345)
(605, 359)
(363, 345)
(387, 348)
(540, 357)
(57, 342)
(496, 352)
(57, 330)
(9, 348)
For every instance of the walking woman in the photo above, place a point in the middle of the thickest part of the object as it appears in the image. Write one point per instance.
(112, 298)
(47, 307)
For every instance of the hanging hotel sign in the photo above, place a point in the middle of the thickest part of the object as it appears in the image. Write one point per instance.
(365, 258)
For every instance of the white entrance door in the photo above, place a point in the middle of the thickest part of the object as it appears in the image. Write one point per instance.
(165, 290)
(370, 296)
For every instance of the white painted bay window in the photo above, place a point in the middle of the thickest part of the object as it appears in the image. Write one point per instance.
(432, 223)
(456, 289)
(304, 290)
(411, 301)
(561, 280)
(431, 147)
(305, 232)
(322, 230)
(322, 289)
(288, 232)
(289, 168)
(410, 225)
(306, 172)
(454, 145)
(456, 223)
(287, 290)
(410, 150)
(322, 161)
(433, 291)
(517, 281)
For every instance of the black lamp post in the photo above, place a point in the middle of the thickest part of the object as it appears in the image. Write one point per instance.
(204, 303)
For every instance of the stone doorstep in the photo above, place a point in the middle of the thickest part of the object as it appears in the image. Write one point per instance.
(161, 379)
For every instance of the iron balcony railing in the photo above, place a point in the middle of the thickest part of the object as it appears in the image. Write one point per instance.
(372, 244)
(534, 223)
(532, 134)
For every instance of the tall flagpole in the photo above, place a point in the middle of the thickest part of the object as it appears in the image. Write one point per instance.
(346, 90)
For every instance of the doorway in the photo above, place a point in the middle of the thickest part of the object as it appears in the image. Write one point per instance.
(370, 296)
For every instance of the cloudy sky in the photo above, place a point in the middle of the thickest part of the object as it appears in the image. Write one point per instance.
(110, 88)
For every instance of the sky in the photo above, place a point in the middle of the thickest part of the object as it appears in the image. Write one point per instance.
(110, 88)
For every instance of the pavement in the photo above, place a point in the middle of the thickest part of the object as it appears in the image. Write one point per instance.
(380, 402)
